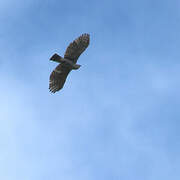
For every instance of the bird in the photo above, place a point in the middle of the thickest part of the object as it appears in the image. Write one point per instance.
(68, 62)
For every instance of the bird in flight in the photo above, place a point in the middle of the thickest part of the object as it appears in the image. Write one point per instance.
(68, 63)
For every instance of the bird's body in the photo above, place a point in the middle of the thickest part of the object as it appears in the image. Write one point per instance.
(60, 59)
(68, 63)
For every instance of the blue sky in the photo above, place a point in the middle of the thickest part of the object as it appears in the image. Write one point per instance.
(117, 117)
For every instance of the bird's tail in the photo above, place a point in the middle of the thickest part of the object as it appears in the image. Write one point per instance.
(56, 58)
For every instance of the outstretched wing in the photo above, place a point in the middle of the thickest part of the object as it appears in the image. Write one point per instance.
(77, 47)
(58, 78)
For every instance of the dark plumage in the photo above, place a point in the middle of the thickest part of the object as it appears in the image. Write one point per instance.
(73, 51)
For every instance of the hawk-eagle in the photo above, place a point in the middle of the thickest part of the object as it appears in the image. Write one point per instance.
(73, 51)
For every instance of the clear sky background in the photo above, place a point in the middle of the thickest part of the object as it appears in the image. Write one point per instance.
(117, 117)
